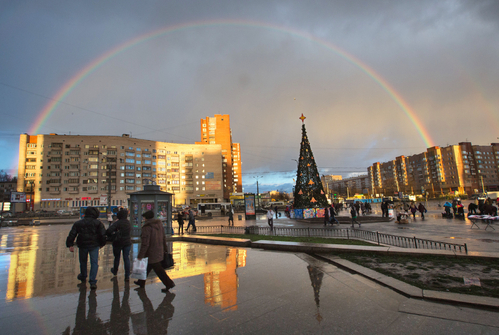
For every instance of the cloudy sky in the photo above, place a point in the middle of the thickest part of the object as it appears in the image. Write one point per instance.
(375, 79)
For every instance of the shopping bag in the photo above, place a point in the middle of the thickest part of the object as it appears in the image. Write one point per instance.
(139, 269)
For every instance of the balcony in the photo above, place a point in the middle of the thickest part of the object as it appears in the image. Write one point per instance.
(93, 191)
(54, 192)
(74, 191)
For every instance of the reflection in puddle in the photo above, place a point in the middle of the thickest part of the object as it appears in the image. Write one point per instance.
(39, 264)
(316, 276)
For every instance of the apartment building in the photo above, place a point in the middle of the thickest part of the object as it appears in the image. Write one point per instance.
(464, 168)
(216, 130)
(70, 171)
(350, 186)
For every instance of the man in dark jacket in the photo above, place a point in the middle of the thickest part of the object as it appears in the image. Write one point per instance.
(122, 242)
(90, 236)
(153, 246)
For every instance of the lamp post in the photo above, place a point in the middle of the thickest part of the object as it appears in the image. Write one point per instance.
(481, 179)
(257, 192)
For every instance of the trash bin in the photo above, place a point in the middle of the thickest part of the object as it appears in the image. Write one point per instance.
(239, 217)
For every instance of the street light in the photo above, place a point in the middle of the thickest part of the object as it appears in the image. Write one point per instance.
(257, 192)
(481, 178)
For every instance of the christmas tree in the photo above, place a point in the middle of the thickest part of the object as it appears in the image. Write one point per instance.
(308, 191)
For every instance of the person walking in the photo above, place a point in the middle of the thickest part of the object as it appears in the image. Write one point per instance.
(384, 209)
(332, 215)
(109, 218)
(153, 246)
(90, 236)
(357, 208)
(122, 242)
(180, 220)
(422, 210)
(192, 220)
(270, 219)
(326, 216)
(231, 215)
(276, 211)
(413, 210)
(353, 213)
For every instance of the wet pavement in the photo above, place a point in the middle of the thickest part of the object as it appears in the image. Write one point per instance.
(218, 290)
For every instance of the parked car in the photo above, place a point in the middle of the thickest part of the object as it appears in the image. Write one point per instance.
(6, 214)
(64, 212)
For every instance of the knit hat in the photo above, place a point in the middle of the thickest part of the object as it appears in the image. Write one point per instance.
(148, 215)
(92, 212)
(122, 214)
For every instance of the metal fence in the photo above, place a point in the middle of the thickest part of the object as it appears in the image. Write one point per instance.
(346, 233)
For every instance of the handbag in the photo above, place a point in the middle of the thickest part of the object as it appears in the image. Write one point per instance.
(167, 261)
(139, 270)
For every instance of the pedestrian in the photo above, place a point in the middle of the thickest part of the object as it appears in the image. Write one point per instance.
(276, 211)
(413, 210)
(90, 236)
(422, 210)
(384, 209)
(454, 206)
(231, 216)
(180, 220)
(270, 219)
(332, 215)
(192, 220)
(326, 216)
(472, 208)
(357, 208)
(353, 213)
(122, 242)
(109, 218)
(153, 246)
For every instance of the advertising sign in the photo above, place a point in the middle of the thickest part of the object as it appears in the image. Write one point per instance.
(249, 206)
(17, 197)
(103, 200)
(213, 185)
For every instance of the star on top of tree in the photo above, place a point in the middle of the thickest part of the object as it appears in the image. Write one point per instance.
(302, 118)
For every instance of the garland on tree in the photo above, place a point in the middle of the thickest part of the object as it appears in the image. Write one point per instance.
(308, 191)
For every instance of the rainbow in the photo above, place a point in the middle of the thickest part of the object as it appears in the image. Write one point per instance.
(96, 63)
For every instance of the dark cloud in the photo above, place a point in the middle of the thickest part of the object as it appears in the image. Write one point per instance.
(439, 57)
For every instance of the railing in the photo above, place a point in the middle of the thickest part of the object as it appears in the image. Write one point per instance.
(372, 236)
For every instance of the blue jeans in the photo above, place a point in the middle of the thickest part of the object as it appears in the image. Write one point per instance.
(193, 223)
(126, 259)
(94, 262)
(331, 218)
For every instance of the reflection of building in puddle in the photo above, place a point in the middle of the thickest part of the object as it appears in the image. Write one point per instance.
(220, 287)
(22, 267)
(39, 263)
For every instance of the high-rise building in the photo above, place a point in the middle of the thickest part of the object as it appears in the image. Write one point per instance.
(216, 130)
(71, 171)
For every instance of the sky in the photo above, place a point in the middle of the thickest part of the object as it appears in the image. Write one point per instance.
(374, 79)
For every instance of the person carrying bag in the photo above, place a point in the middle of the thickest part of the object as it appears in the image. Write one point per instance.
(153, 246)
